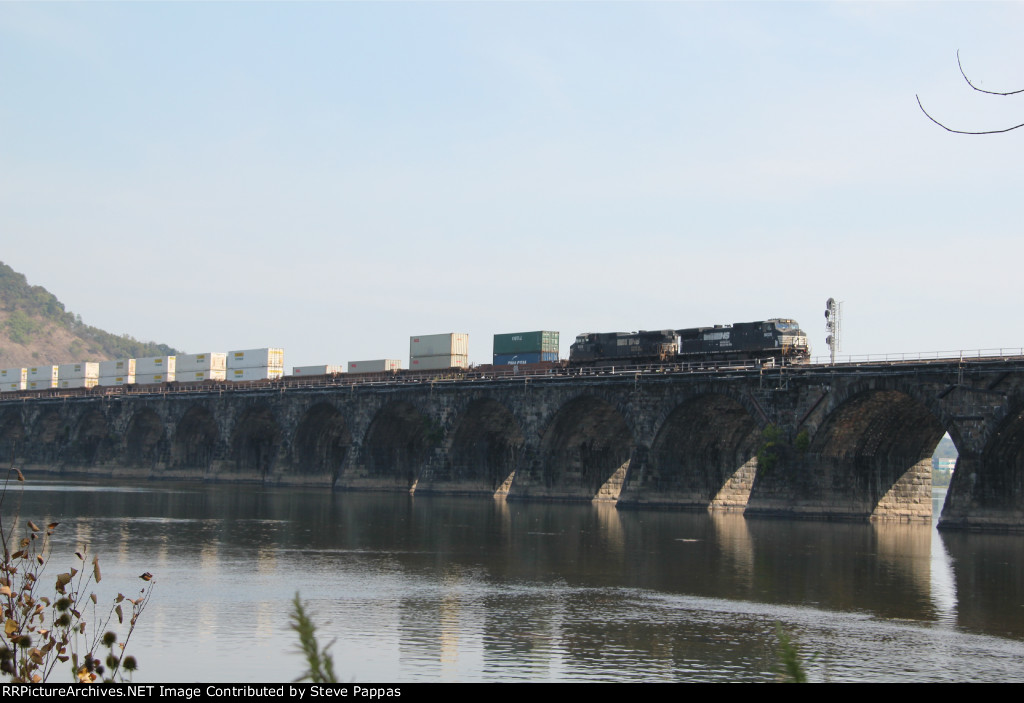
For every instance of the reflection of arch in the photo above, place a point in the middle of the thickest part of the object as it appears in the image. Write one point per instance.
(586, 444)
(398, 443)
(92, 443)
(321, 441)
(872, 441)
(486, 445)
(255, 440)
(12, 437)
(195, 439)
(142, 438)
(706, 442)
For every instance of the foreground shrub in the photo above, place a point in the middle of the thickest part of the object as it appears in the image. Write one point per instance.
(45, 626)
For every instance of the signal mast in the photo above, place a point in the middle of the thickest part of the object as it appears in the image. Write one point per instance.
(833, 321)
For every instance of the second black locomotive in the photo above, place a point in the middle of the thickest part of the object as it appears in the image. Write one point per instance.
(780, 339)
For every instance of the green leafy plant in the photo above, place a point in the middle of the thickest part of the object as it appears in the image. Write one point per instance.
(768, 452)
(802, 441)
(44, 628)
(790, 668)
(320, 663)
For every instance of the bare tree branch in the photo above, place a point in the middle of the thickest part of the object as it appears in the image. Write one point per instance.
(960, 131)
(980, 90)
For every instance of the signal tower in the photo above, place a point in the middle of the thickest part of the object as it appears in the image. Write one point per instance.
(833, 322)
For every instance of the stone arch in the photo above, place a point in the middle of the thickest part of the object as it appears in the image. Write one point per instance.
(12, 438)
(485, 448)
(256, 441)
(92, 443)
(585, 450)
(875, 447)
(143, 439)
(704, 455)
(398, 444)
(321, 442)
(47, 437)
(195, 439)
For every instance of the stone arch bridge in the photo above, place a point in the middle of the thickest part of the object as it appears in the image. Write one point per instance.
(834, 442)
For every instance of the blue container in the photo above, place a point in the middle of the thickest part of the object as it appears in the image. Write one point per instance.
(528, 358)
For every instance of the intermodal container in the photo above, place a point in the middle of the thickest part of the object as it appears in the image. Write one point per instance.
(42, 383)
(526, 342)
(207, 375)
(265, 358)
(42, 373)
(207, 361)
(258, 373)
(146, 378)
(86, 369)
(321, 370)
(451, 344)
(374, 366)
(78, 382)
(525, 358)
(13, 375)
(118, 367)
(14, 385)
(442, 361)
(116, 380)
(154, 365)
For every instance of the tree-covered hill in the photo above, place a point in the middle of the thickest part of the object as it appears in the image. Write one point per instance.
(36, 329)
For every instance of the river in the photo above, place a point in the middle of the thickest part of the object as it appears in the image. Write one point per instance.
(413, 589)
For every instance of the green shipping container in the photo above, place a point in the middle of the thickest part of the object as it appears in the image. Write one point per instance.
(526, 342)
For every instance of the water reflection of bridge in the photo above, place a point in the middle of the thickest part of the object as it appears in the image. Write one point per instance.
(846, 441)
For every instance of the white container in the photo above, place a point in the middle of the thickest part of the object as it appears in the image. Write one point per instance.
(86, 369)
(14, 385)
(146, 378)
(37, 385)
(116, 380)
(154, 365)
(208, 375)
(78, 382)
(118, 367)
(254, 374)
(207, 361)
(433, 363)
(266, 358)
(438, 345)
(321, 370)
(42, 373)
(13, 375)
(374, 366)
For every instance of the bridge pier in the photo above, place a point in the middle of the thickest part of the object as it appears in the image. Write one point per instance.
(984, 495)
(830, 489)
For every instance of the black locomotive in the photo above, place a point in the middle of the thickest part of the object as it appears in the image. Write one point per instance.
(779, 339)
(642, 346)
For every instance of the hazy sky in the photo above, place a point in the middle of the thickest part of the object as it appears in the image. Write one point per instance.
(333, 177)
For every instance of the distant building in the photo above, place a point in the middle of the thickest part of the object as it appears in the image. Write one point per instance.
(943, 464)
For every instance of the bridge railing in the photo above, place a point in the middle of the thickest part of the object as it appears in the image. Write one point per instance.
(953, 355)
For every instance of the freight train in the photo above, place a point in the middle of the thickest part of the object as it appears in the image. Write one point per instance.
(779, 339)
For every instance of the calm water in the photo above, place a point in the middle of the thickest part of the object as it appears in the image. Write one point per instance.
(459, 589)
